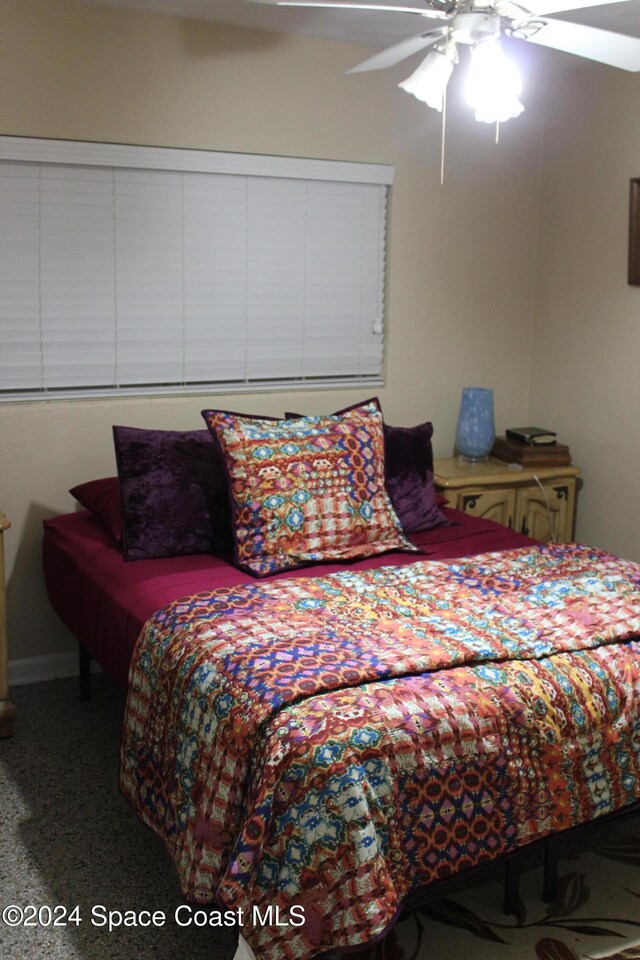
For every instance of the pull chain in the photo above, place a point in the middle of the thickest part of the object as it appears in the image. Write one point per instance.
(444, 124)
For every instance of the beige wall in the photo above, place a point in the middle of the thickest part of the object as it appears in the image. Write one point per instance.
(461, 257)
(586, 353)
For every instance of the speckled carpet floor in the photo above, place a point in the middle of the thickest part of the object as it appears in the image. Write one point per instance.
(67, 839)
(67, 836)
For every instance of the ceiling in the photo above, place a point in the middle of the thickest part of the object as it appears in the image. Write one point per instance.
(356, 26)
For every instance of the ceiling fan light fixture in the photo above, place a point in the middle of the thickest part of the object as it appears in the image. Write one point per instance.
(493, 84)
(429, 82)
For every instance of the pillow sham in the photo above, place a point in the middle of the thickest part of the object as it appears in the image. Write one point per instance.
(102, 499)
(307, 490)
(408, 471)
(174, 495)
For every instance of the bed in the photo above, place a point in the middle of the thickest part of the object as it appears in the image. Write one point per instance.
(105, 602)
(317, 746)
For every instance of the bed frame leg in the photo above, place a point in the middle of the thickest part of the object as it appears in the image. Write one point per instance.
(512, 870)
(551, 861)
(85, 673)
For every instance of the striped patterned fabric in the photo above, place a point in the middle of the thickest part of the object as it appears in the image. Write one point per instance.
(307, 490)
(335, 743)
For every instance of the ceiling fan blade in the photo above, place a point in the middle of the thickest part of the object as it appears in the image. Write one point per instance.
(398, 52)
(392, 8)
(543, 7)
(616, 49)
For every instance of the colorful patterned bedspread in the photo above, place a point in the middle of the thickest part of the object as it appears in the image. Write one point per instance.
(337, 743)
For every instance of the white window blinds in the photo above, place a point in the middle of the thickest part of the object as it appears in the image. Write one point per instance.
(175, 270)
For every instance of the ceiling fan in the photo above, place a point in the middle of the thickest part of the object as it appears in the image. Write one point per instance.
(493, 86)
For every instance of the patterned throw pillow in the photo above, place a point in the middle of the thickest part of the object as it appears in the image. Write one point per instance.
(307, 490)
(408, 471)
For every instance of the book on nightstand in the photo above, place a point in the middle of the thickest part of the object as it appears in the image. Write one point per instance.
(531, 455)
(535, 435)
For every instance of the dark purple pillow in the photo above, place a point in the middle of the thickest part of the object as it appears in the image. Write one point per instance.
(408, 470)
(102, 499)
(408, 475)
(174, 493)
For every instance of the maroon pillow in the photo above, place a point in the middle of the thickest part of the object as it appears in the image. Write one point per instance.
(102, 499)
(174, 493)
(408, 474)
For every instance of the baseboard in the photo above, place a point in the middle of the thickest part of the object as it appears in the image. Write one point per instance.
(49, 666)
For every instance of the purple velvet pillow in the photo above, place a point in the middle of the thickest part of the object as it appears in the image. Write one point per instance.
(102, 499)
(408, 470)
(174, 493)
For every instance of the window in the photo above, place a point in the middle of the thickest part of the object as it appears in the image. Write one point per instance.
(143, 270)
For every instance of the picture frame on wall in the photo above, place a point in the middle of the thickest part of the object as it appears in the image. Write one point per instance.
(634, 232)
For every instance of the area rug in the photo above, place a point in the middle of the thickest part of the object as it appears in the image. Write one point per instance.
(596, 915)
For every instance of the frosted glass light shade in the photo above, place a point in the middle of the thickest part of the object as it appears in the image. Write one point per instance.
(429, 82)
(476, 430)
(493, 84)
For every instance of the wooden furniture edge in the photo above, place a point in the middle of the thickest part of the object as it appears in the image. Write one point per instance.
(7, 709)
(494, 473)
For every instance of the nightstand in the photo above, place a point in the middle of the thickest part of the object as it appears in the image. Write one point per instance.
(538, 502)
(7, 709)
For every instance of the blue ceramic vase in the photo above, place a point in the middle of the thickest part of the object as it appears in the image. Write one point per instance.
(476, 430)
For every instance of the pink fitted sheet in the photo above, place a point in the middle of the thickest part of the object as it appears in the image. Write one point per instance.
(105, 600)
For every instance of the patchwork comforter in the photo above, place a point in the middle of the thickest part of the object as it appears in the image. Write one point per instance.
(334, 744)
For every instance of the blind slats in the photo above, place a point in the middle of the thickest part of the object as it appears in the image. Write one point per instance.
(115, 278)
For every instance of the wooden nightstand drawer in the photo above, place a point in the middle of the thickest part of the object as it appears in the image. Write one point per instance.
(498, 504)
(540, 502)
